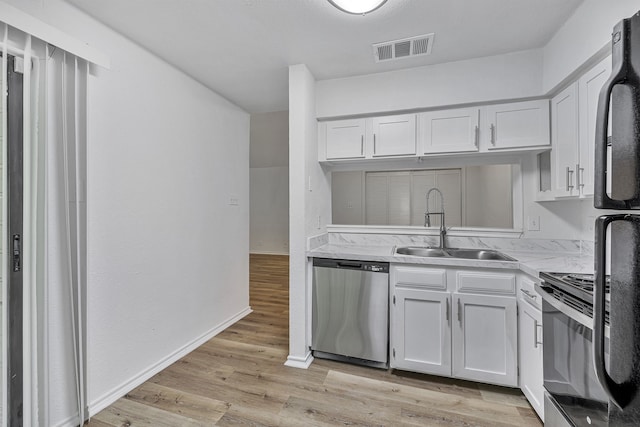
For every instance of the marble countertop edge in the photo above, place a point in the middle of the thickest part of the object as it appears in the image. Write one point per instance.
(531, 263)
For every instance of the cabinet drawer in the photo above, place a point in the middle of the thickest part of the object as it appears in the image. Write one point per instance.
(491, 283)
(433, 278)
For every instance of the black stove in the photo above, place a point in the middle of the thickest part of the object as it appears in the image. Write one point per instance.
(575, 290)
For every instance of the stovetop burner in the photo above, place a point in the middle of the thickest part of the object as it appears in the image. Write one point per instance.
(575, 290)
(581, 281)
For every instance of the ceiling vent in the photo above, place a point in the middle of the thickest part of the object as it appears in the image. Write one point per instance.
(404, 48)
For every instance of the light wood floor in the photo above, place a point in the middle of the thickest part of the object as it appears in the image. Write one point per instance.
(238, 378)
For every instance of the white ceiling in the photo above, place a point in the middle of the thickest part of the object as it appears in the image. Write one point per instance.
(242, 48)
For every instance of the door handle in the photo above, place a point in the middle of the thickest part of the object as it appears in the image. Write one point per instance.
(619, 74)
(17, 253)
(569, 179)
(536, 341)
(477, 136)
(579, 180)
(529, 294)
(459, 312)
(619, 394)
(447, 311)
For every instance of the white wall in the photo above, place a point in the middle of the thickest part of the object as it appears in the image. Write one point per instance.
(270, 183)
(167, 254)
(510, 76)
(579, 40)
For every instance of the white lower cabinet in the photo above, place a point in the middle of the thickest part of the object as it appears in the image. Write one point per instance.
(530, 343)
(421, 331)
(485, 339)
(464, 335)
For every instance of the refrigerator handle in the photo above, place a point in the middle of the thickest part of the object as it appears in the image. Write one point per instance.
(618, 393)
(618, 75)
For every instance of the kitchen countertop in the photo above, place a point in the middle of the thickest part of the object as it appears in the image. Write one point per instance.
(531, 263)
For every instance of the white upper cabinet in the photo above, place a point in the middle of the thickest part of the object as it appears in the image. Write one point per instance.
(344, 139)
(564, 131)
(573, 118)
(450, 131)
(589, 87)
(394, 135)
(387, 136)
(516, 125)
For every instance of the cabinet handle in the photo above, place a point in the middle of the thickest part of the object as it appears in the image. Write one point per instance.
(493, 134)
(374, 143)
(447, 311)
(579, 179)
(459, 312)
(536, 342)
(529, 294)
(569, 179)
(362, 145)
(477, 136)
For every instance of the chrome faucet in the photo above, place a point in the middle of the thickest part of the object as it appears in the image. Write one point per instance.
(428, 213)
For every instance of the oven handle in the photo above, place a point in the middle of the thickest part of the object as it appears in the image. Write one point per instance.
(618, 393)
(568, 311)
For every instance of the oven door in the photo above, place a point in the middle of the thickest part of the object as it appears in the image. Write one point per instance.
(569, 375)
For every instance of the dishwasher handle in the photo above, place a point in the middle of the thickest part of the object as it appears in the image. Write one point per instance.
(345, 264)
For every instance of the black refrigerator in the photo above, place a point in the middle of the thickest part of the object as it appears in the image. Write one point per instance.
(616, 343)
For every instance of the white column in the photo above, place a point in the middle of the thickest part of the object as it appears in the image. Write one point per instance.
(301, 114)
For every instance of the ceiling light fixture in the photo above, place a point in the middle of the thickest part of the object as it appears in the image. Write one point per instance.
(357, 7)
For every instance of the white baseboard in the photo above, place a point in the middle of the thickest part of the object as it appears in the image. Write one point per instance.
(299, 362)
(111, 396)
(72, 421)
(268, 253)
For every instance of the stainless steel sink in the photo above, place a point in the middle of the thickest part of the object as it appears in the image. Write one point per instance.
(427, 251)
(485, 254)
(421, 251)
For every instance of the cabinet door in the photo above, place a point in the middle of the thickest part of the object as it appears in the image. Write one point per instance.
(394, 135)
(450, 131)
(345, 139)
(589, 87)
(564, 132)
(485, 339)
(530, 343)
(517, 125)
(421, 334)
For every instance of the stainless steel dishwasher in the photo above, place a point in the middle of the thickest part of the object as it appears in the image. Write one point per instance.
(350, 314)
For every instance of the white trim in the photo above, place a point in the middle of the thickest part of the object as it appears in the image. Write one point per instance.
(111, 396)
(5, 231)
(299, 362)
(30, 25)
(422, 231)
(72, 421)
(268, 253)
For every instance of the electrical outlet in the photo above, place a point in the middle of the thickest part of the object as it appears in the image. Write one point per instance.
(233, 200)
(533, 223)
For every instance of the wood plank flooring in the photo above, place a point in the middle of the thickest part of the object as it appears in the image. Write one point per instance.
(239, 378)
